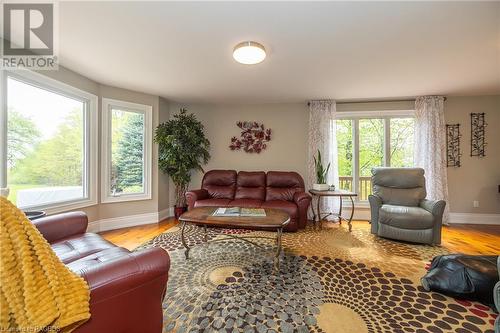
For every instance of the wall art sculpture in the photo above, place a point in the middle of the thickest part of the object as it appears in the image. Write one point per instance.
(453, 145)
(477, 135)
(253, 138)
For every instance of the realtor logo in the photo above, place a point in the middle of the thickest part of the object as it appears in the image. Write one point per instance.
(28, 36)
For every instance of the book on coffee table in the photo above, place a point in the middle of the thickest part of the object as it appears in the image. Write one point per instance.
(239, 211)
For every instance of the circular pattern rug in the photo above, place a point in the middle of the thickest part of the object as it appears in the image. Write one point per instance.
(329, 280)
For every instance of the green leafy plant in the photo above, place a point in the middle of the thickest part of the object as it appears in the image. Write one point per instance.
(182, 148)
(321, 172)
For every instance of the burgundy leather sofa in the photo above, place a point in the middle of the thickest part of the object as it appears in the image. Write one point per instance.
(126, 288)
(276, 189)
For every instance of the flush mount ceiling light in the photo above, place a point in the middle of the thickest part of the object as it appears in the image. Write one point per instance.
(249, 53)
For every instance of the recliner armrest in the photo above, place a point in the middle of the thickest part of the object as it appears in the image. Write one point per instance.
(109, 279)
(375, 204)
(435, 207)
(194, 195)
(59, 226)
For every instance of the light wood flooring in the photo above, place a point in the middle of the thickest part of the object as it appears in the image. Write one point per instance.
(470, 239)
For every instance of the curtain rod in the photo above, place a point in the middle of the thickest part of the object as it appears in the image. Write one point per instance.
(376, 101)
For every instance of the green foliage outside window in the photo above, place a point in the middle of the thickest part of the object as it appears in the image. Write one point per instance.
(127, 173)
(56, 161)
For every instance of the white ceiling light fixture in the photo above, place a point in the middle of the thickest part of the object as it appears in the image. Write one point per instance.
(249, 53)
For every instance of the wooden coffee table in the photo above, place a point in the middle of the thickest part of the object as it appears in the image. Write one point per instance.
(275, 220)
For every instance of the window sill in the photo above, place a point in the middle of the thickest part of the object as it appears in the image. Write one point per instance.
(126, 197)
(62, 207)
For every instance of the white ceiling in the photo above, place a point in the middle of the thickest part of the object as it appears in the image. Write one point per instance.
(342, 50)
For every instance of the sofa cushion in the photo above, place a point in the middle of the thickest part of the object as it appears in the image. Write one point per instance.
(212, 203)
(220, 184)
(283, 185)
(251, 185)
(76, 247)
(404, 217)
(287, 206)
(249, 203)
(78, 266)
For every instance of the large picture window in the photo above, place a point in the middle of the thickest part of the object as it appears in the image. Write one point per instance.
(367, 140)
(127, 139)
(48, 158)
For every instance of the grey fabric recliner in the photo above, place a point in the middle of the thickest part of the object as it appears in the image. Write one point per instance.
(399, 209)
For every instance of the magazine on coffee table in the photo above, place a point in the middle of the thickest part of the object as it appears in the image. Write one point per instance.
(240, 211)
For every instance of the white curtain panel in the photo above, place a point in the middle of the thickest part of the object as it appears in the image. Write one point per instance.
(322, 136)
(430, 147)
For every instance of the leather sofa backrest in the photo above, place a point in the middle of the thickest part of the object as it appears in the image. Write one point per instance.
(251, 185)
(399, 186)
(220, 184)
(282, 185)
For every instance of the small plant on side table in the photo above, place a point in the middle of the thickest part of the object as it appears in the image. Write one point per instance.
(321, 174)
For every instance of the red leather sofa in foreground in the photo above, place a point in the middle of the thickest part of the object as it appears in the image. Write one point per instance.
(126, 288)
(276, 189)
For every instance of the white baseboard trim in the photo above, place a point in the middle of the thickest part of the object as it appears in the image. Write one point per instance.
(165, 213)
(359, 214)
(474, 218)
(129, 221)
(362, 213)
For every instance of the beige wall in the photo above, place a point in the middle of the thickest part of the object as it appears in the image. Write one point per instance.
(477, 178)
(159, 199)
(286, 150)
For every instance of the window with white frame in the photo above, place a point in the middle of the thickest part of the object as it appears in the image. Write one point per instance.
(126, 151)
(370, 139)
(48, 150)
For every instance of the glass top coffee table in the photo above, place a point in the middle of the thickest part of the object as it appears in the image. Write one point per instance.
(275, 220)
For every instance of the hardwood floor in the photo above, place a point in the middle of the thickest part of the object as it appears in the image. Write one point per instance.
(470, 239)
(132, 237)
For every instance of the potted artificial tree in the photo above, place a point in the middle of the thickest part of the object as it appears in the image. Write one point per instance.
(321, 174)
(182, 147)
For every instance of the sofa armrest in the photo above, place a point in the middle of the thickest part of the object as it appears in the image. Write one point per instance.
(194, 195)
(126, 294)
(59, 226)
(375, 204)
(301, 196)
(108, 279)
(302, 200)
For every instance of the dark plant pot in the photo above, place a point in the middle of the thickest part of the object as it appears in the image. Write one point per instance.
(178, 211)
(33, 215)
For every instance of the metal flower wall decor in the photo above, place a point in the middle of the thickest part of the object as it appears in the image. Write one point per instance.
(254, 137)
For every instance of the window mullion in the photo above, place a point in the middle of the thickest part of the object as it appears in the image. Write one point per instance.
(355, 167)
(387, 141)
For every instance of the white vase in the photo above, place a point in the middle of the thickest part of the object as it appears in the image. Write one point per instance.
(321, 187)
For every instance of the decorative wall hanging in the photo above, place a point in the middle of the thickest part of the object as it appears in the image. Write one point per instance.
(453, 145)
(477, 135)
(254, 137)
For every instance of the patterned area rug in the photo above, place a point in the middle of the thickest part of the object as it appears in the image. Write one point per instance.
(330, 280)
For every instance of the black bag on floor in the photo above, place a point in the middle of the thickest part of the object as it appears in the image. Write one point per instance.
(463, 276)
